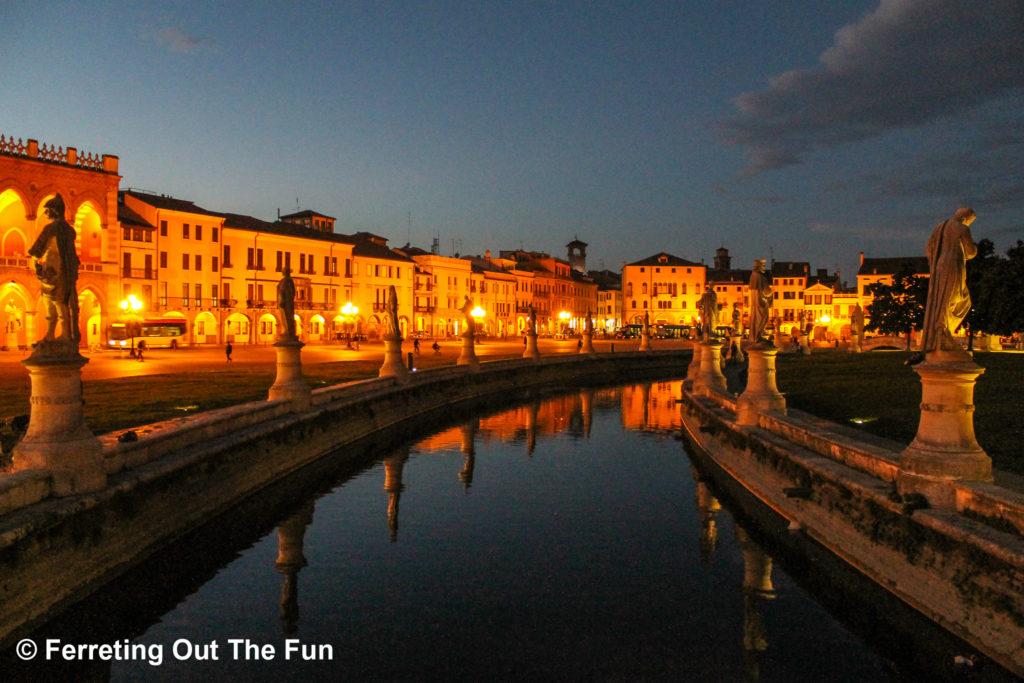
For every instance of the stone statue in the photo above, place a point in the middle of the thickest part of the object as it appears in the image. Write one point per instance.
(760, 300)
(393, 331)
(948, 250)
(647, 323)
(737, 325)
(857, 321)
(286, 304)
(588, 324)
(467, 311)
(56, 265)
(533, 321)
(708, 305)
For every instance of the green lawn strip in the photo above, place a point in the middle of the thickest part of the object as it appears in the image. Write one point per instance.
(878, 389)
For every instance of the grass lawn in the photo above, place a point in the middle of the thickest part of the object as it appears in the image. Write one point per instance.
(877, 388)
(874, 387)
(116, 404)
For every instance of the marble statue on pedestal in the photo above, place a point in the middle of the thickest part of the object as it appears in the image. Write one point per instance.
(949, 248)
(760, 301)
(394, 331)
(56, 264)
(286, 304)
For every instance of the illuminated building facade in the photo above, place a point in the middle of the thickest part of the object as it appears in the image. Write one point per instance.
(666, 287)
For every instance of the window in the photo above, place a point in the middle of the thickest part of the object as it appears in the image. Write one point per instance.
(163, 259)
(184, 261)
(215, 233)
(309, 263)
(288, 260)
(280, 261)
(213, 293)
(126, 234)
(199, 236)
(302, 263)
(199, 265)
(259, 259)
(184, 231)
(251, 263)
(184, 293)
(215, 264)
(163, 228)
(199, 295)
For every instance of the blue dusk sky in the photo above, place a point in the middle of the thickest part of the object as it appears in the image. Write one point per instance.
(799, 130)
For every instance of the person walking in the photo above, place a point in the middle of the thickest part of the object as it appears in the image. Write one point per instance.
(436, 347)
(227, 351)
(416, 346)
(141, 348)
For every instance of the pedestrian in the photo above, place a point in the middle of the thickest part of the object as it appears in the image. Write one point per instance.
(579, 345)
(227, 351)
(436, 347)
(416, 346)
(140, 349)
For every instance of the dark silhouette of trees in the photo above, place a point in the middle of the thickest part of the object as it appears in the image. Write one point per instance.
(897, 309)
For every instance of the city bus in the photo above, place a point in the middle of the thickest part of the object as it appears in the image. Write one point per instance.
(156, 332)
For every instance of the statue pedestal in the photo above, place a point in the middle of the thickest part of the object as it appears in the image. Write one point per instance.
(761, 394)
(393, 366)
(289, 383)
(645, 341)
(805, 344)
(710, 375)
(855, 343)
(468, 355)
(531, 350)
(693, 369)
(57, 439)
(944, 449)
(588, 343)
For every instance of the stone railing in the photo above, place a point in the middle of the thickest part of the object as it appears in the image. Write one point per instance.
(70, 156)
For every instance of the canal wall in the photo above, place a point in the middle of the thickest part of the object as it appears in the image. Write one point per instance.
(181, 472)
(963, 568)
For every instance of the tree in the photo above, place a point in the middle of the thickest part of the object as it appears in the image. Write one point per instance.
(897, 308)
(997, 298)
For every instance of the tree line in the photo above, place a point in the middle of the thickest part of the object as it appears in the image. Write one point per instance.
(997, 296)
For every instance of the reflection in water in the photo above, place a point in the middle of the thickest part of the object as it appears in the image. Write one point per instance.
(708, 506)
(757, 587)
(393, 466)
(290, 560)
(604, 555)
(468, 433)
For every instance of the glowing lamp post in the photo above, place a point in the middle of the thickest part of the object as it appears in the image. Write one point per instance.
(564, 317)
(478, 314)
(131, 307)
(349, 312)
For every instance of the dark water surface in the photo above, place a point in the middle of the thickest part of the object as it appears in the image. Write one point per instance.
(569, 539)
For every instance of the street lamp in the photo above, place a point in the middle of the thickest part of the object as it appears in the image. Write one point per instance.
(348, 310)
(131, 306)
(564, 316)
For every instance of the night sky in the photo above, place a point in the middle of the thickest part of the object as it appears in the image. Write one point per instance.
(800, 130)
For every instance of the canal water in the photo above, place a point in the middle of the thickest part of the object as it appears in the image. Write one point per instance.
(571, 538)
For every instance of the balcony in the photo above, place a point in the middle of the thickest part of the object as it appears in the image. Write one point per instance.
(227, 303)
(379, 307)
(424, 308)
(260, 303)
(139, 273)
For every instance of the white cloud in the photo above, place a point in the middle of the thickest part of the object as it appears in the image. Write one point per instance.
(908, 63)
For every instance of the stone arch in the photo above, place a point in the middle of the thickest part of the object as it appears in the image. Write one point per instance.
(204, 328)
(266, 328)
(237, 328)
(403, 325)
(15, 322)
(372, 328)
(15, 228)
(89, 228)
(317, 328)
(91, 317)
